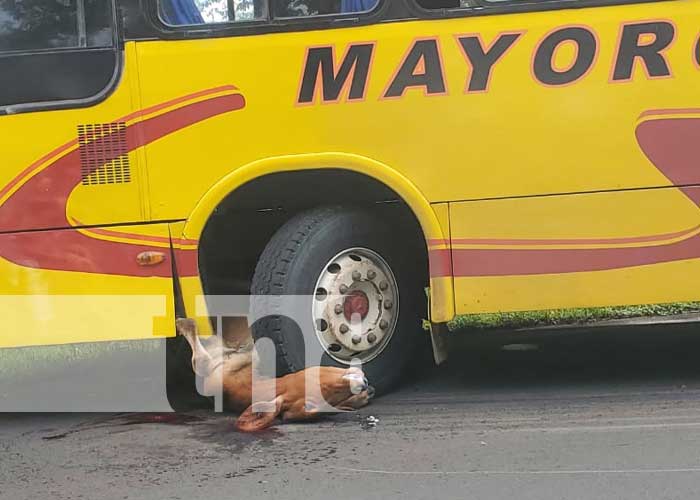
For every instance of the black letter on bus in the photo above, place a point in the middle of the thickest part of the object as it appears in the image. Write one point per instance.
(587, 49)
(320, 59)
(651, 53)
(696, 53)
(483, 60)
(421, 67)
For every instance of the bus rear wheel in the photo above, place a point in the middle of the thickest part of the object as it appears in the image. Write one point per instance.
(357, 294)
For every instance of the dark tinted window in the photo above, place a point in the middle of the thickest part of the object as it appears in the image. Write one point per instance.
(54, 24)
(194, 12)
(55, 51)
(303, 8)
(296, 8)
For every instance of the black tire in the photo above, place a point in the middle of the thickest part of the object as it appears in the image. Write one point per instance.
(294, 259)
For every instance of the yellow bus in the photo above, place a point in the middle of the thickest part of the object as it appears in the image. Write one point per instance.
(507, 155)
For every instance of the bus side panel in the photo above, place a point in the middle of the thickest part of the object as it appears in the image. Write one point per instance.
(598, 249)
(69, 286)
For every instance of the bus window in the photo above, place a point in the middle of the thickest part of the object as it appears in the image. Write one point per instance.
(55, 51)
(301, 8)
(194, 12)
(53, 24)
(189, 12)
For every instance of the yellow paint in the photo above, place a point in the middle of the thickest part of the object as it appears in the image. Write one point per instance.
(593, 216)
(657, 284)
(66, 319)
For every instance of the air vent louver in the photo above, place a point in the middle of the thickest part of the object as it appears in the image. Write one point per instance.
(104, 157)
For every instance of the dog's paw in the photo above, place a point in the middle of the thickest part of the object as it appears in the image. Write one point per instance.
(357, 401)
(357, 380)
(185, 327)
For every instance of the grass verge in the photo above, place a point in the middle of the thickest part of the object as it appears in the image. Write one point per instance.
(14, 360)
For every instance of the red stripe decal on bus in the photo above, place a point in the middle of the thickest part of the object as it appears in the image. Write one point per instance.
(673, 146)
(440, 263)
(576, 241)
(525, 261)
(41, 202)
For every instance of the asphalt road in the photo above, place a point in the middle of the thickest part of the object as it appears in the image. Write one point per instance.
(592, 415)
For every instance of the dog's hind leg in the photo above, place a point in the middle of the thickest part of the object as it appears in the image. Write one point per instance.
(209, 368)
(202, 362)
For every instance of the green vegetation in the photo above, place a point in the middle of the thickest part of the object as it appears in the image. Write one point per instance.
(27, 359)
(567, 316)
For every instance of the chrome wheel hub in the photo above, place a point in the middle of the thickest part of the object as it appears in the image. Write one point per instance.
(356, 306)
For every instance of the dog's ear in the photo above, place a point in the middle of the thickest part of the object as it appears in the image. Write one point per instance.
(258, 416)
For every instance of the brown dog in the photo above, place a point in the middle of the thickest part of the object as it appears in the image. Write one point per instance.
(226, 364)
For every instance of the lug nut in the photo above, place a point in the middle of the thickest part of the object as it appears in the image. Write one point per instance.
(343, 289)
(356, 339)
(338, 308)
(383, 286)
(344, 328)
(371, 274)
(371, 338)
(356, 275)
(383, 324)
(388, 304)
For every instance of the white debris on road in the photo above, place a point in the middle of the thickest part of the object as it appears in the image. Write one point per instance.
(370, 421)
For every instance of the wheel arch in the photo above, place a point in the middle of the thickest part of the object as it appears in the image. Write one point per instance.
(442, 294)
